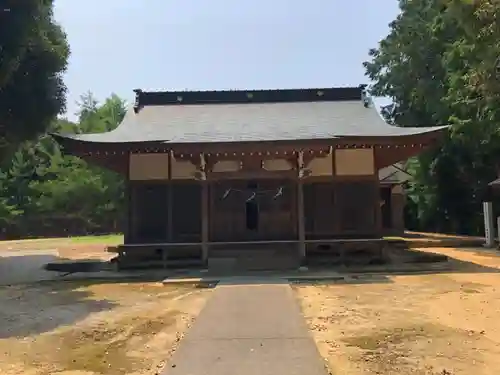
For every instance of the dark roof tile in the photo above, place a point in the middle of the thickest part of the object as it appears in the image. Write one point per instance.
(295, 115)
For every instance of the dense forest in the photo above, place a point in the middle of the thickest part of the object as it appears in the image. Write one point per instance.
(440, 64)
(46, 193)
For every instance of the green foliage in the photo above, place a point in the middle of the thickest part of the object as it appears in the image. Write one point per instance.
(440, 65)
(47, 193)
(33, 56)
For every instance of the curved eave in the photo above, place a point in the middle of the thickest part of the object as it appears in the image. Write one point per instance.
(99, 138)
(82, 143)
(411, 134)
(77, 144)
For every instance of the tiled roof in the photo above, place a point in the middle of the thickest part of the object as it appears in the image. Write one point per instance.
(242, 116)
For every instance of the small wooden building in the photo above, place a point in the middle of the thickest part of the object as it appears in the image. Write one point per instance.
(217, 171)
(393, 200)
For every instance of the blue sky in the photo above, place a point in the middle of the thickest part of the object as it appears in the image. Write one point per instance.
(119, 45)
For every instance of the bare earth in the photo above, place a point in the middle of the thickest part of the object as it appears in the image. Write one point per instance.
(446, 324)
(435, 324)
(23, 261)
(73, 328)
(86, 328)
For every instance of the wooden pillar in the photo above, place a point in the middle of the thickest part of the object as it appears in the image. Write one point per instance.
(205, 229)
(300, 207)
(127, 235)
(397, 211)
(170, 221)
(134, 219)
(378, 209)
(300, 219)
(170, 200)
(170, 211)
(204, 220)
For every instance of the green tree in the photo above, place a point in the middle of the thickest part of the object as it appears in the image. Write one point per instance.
(438, 64)
(33, 57)
(45, 192)
(96, 118)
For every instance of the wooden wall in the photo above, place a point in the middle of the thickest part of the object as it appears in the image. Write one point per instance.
(341, 198)
(186, 212)
(341, 209)
(164, 212)
(148, 213)
(358, 208)
(393, 222)
(319, 210)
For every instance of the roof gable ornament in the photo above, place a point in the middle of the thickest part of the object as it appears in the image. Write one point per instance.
(301, 165)
(137, 102)
(366, 97)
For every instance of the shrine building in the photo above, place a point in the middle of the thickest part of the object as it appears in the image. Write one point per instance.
(212, 174)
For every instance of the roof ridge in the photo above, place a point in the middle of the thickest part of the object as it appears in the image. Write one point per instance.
(148, 98)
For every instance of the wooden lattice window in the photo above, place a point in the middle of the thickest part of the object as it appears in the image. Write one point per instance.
(357, 203)
(319, 208)
(186, 201)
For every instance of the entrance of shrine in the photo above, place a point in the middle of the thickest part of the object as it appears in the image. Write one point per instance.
(260, 210)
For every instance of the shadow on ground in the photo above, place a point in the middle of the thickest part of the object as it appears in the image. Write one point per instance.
(29, 310)
(33, 300)
(341, 274)
(25, 267)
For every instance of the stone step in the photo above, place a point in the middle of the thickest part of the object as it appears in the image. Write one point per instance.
(264, 263)
(253, 263)
(224, 253)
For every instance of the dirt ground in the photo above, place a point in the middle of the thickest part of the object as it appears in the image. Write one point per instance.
(434, 324)
(439, 324)
(24, 261)
(65, 248)
(81, 328)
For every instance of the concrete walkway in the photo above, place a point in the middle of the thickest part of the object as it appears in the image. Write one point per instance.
(248, 329)
(25, 266)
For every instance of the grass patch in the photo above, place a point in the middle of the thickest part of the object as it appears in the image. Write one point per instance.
(108, 239)
(394, 238)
